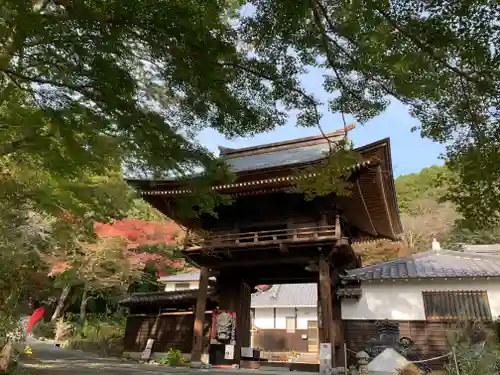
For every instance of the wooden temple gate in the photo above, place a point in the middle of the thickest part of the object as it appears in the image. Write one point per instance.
(272, 235)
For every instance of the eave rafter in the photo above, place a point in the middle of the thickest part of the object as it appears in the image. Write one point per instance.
(251, 184)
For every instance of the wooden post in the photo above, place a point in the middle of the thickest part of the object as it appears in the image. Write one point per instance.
(244, 321)
(321, 336)
(325, 294)
(199, 317)
(235, 295)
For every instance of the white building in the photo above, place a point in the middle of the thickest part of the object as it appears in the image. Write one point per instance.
(284, 318)
(428, 294)
(181, 281)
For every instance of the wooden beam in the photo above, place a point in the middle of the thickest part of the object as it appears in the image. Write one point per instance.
(367, 212)
(199, 318)
(380, 184)
(325, 297)
(263, 261)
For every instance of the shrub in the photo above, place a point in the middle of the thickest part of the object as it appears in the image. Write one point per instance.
(44, 330)
(105, 346)
(173, 358)
(410, 369)
(99, 335)
(476, 353)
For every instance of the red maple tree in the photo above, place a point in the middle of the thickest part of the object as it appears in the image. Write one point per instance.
(137, 234)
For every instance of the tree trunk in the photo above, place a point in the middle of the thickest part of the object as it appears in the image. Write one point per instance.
(6, 357)
(83, 306)
(60, 304)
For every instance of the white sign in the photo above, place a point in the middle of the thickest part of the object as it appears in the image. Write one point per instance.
(325, 358)
(229, 352)
(247, 352)
(147, 351)
(325, 366)
(325, 351)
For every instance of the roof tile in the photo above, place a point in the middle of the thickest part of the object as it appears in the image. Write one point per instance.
(289, 156)
(442, 263)
(287, 295)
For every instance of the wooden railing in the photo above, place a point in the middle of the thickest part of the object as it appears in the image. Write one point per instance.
(267, 237)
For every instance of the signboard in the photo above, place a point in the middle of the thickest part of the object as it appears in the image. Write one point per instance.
(229, 352)
(247, 352)
(147, 351)
(325, 351)
(325, 367)
(325, 358)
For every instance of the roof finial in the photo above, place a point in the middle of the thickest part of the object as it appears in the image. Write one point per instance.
(436, 246)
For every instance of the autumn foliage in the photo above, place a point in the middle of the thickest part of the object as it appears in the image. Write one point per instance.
(134, 236)
(140, 233)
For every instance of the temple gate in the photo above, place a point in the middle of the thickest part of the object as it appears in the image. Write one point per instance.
(272, 235)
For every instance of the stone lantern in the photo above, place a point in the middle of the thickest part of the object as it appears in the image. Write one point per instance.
(362, 358)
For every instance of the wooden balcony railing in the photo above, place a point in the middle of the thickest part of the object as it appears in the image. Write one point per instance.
(267, 237)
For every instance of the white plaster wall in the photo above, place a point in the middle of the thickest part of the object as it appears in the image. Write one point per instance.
(169, 287)
(304, 314)
(402, 300)
(264, 317)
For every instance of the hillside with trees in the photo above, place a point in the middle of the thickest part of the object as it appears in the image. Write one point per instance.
(426, 214)
(423, 212)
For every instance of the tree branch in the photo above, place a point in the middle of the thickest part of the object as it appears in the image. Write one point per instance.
(427, 49)
(43, 81)
(310, 99)
(330, 58)
(335, 29)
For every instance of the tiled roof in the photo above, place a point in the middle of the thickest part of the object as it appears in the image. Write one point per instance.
(172, 298)
(486, 249)
(287, 295)
(298, 151)
(276, 158)
(431, 264)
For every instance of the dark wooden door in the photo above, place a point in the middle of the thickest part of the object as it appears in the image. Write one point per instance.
(312, 336)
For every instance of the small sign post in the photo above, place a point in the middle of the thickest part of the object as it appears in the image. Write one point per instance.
(146, 354)
(325, 358)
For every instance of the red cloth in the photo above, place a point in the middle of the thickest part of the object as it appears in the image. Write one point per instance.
(35, 317)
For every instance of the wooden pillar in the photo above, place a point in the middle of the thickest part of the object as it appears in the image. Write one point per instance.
(235, 295)
(199, 317)
(244, 321)
(321, 335)
(339, 327)
(327, 333)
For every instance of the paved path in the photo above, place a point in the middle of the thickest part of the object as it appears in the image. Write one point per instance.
(48, 359)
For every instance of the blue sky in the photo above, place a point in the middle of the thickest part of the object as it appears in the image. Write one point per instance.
(410, 153)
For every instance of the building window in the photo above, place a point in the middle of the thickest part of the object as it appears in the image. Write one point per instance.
(457, 305)
(181, 286)
(290, 324)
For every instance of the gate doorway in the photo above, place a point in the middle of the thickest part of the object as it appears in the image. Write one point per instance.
(271, 235)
